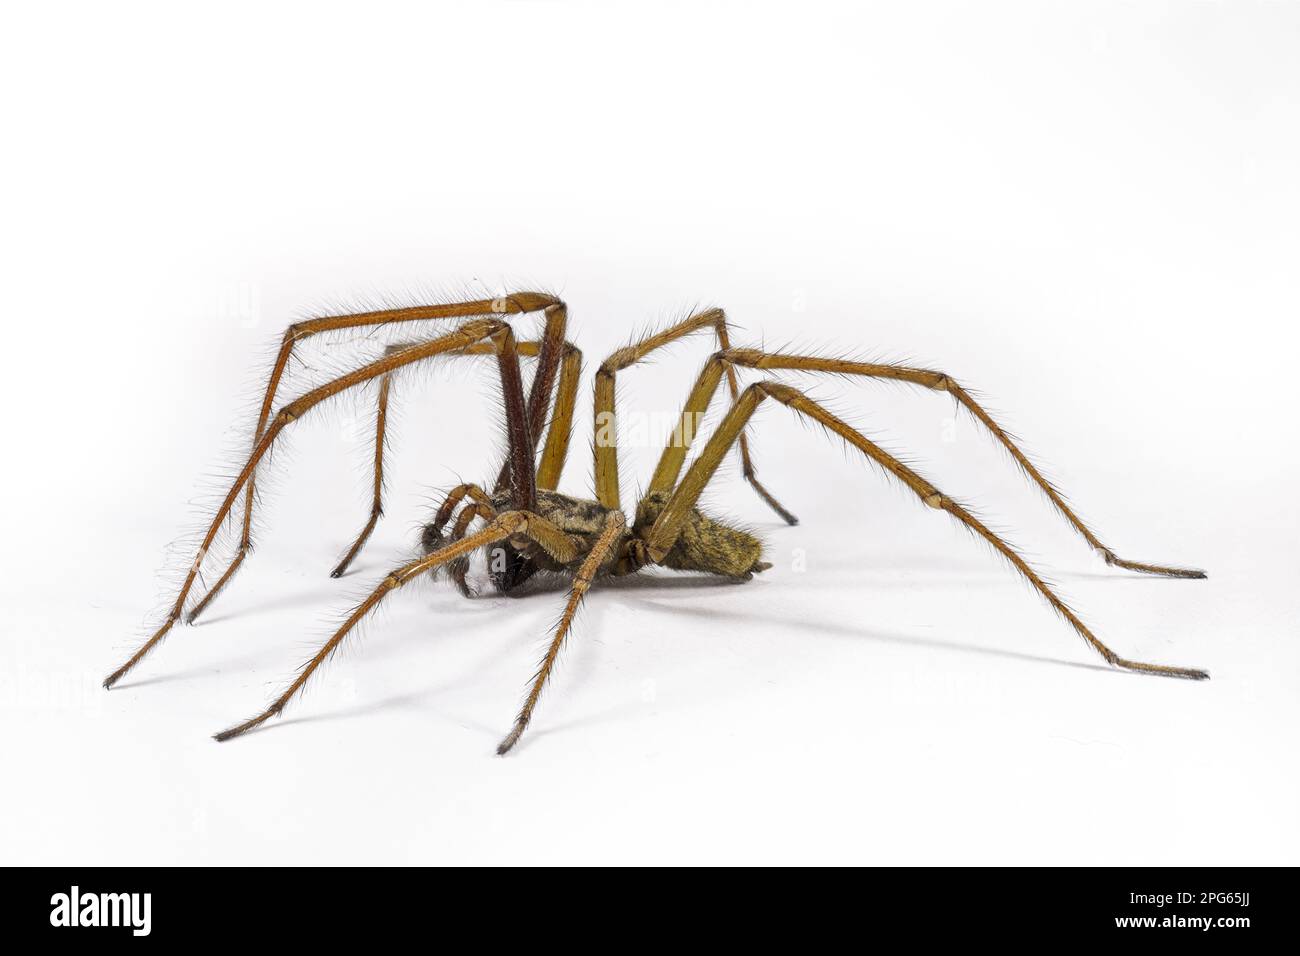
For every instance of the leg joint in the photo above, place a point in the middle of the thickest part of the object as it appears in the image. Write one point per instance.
(749, 358)
(617, 361)
(779, 390)
(513, 521)
(521, 302)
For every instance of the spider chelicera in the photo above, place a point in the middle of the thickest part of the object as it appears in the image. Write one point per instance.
(527, 526)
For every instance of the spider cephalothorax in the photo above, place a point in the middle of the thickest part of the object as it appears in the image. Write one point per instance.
(526, 526)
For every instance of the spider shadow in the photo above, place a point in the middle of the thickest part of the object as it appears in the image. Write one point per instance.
(845, 630)
(642, 590)
(292, 601)
(652, 589)
(418, 699)
(259, 657)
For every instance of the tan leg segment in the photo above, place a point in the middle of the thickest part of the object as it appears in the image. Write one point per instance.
(606, 432)
(504, 526)
(941, 382)
(663, 534)
(473, 331)
(518, 303)
(609, 538)
(377, 501)
(556, 450)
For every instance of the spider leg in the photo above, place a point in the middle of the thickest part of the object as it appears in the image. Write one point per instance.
(505, 525)
(377, 502)
(514, 304)
(459, 567)
(610, 536)
(523, 494)
(566, 357)
(661, 536)
(550, 352)
(606, 432)
(942, 382)
(556, 449)
(674, 455)
(454, 498)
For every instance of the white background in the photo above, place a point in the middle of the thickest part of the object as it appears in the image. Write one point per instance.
(1089, 212)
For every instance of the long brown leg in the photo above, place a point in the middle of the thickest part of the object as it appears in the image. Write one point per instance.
(533, 526)
(558, 433)
(942, 382)
(553, 352)
(473, 331)
(606, 436)
(377, 501)
(670, 463)
(376, 511)
(609, 538)
(549, 354)
(660, 538)
(565, 356)
(556, 450)
(514, 304)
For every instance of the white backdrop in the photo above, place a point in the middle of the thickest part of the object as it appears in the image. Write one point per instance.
(1088, 212)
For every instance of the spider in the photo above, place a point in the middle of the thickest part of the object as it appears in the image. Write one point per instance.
(527, 526)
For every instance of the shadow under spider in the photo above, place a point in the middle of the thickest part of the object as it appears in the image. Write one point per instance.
(906, 640)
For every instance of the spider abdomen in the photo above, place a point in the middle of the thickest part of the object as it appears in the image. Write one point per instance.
(705, 544)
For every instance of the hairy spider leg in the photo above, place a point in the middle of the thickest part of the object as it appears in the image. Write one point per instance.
(670, 463)
(555, 451)
(658, 540)
(513, 304)
(566, 357)
(377, 500)
(610, 536)
(523, 493)
(943, 382)
(550, 352)
(606, 432)
(518, 568)
(533, 526)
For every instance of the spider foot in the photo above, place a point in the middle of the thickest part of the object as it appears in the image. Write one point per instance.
(772, 503)
(1163, 670)
(246, 726)
(511, 738)
(1158, 569)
